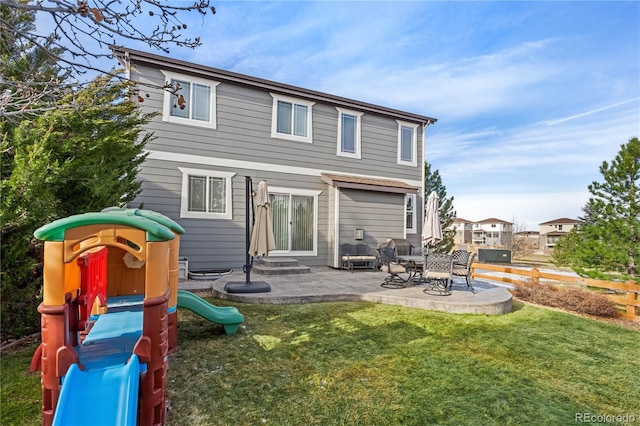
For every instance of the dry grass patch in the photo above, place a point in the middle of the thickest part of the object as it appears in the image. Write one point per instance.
(572, 299)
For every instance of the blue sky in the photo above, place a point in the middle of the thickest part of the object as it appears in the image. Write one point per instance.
(530, 97)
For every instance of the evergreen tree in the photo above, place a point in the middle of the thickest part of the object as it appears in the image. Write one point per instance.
(565, 248)
(433, 182)
(26, 68)
(64, 162)
(609, 235)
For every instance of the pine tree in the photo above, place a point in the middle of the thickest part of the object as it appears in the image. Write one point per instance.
(64, 162)
(433, 182)
(609, 238)
(31, 77)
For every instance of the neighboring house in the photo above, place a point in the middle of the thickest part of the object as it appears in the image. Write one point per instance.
(529, 239)
(552, 230)
(492, 232)
(463, 228)
(332, 164)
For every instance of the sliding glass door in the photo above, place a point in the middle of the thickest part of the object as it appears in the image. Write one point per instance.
(293, 222)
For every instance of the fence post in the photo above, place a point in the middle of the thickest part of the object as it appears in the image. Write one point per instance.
(535, 276)
(632, 297)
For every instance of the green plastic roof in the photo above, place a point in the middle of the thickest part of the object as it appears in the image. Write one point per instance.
(149, 214)
(55, 230)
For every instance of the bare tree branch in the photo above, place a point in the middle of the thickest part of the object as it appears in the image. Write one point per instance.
(82, 35)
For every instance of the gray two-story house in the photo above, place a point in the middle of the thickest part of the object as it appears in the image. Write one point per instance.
(332, 165)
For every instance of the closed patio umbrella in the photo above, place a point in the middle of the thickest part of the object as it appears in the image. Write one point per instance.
(262, 240)
(432, 229)
(259, 241)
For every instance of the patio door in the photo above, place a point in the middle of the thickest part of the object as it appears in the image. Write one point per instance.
(293, 222)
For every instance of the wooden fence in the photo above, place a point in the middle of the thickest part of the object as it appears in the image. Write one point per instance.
(629, 301)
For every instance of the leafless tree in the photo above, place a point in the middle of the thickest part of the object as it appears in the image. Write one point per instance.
(521, 244)
(82, 34)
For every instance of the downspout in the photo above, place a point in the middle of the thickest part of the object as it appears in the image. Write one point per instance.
(336, 226)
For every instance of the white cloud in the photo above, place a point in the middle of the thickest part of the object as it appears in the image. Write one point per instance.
(591, 112)
(535, 173)
(465, 88)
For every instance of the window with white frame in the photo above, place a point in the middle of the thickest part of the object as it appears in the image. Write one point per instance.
(407, 143)
(205, 194)
(193, 103)
(291, 119)
(349, 140)
(410, 213)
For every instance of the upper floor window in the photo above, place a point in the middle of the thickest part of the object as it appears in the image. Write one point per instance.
(407, 143)
(291, 119)
(349, 133)
(193, 103)
(410, 212)
(205, 194)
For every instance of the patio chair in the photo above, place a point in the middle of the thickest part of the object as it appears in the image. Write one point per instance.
(460, 257)
(390, 264)
(464, 270)
(438, 272)
(347, 252)
(418, 266)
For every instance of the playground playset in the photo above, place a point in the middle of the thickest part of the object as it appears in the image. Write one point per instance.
(109, 317)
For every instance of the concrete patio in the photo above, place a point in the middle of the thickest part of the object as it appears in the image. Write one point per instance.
(324, 284)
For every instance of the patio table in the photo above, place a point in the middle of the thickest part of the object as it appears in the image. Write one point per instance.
(415, 264)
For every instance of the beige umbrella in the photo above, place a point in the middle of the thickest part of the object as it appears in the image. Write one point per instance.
(262, 239)
(432, 229)
(259, 241)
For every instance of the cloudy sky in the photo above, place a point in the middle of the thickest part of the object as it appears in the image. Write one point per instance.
(530, 97)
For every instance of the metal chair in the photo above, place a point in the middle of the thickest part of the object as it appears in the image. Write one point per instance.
(464, 270)
(460, 257)
(439, 272)
(390, 264)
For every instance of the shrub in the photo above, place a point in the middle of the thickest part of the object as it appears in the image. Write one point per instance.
(572, 299)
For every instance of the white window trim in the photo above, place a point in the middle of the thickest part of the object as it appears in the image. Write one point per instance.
(169, 101)
(274, 119)
(414, 224)
(358, 136)
(308, 193)
(184, 194)
(414, 142)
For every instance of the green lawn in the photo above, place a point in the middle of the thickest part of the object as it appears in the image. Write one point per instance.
(373, 364)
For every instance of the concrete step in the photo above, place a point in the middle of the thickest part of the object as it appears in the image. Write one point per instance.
(279, 270)
(276, 262)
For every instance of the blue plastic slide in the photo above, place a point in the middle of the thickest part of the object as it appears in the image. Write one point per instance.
(104, 396)
(228, 316)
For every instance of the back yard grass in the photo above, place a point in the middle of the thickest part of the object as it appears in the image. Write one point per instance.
(374, 364)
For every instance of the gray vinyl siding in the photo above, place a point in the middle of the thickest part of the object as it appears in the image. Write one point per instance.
(221, 243)
(243, 134)
(380, 214)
